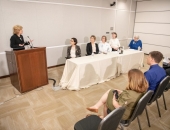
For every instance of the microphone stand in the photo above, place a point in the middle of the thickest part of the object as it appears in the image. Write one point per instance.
(30, 42)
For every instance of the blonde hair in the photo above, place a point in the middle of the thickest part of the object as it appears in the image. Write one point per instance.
(16, 29)
(137, 81)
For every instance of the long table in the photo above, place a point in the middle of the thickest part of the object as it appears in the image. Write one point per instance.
(89, 70)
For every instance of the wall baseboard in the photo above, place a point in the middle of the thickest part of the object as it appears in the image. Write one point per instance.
(55, 66)
(6, 76)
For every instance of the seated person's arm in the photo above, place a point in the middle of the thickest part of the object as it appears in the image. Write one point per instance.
(97, 49)
(87, 50)
(148, 78)
(130, 44)
(68, 53)
(79, 52)
(115, 103)
(110, 49)
(141, 44)
(118, 43)
(100, 48)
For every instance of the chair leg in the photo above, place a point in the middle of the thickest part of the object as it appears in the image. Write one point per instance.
(158, 108)
(147, 117)
(121, 126)
(164, 101)
(139, 123)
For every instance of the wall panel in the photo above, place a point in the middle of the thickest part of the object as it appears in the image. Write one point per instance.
(153, 17)
(155, 5)
(51, 23)
(152, 24)
(153, 28)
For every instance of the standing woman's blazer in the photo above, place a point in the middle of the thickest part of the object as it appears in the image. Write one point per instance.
(78, 52)
(15, 41)
(89, 48)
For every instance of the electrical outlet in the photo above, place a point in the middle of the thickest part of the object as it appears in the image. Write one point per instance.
(111, 28)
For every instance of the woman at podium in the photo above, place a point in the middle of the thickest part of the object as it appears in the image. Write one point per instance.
(17, 40)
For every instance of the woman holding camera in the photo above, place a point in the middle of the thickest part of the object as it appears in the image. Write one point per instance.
(129, 97)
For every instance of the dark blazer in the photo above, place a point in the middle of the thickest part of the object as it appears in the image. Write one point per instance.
(78, 52)
(15, 41)
(89, 48)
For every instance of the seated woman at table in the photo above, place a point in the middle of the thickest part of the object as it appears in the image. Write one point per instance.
(92, 47)
(114, 42)
(136, 43)
(104, 47)
(129, 97)
(74, 50)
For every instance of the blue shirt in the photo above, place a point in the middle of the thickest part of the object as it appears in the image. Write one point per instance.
(135, 44)
(154, 76)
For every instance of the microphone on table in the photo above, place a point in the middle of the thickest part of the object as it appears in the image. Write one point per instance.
(30, 42)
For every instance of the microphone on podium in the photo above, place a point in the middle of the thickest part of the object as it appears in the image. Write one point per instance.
(30, 42)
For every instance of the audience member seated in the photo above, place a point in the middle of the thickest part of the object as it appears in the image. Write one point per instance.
(136, 44)
(166, 64)
(104, 47)
(129, 97)
(114, 42)
(155, 74)
(74, 50)
(92, 47)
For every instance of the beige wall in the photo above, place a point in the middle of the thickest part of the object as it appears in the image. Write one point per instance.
(52, 23)
(152, 24)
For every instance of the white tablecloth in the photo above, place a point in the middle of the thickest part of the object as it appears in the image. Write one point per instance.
(89, 70)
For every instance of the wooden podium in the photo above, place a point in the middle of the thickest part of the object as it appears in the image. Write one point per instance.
(27, 68)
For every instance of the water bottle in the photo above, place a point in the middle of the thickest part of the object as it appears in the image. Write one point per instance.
(118, 50)
(139, 48)
(123, 48)
(92, 54)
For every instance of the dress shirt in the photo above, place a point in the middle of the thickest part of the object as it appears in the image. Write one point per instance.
(135, 44)
(94, 48)
(104, 47)
(154, 76)
(73, 52)
(114, 43)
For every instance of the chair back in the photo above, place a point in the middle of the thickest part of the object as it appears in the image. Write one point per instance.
(160, 89)
(89, 123)
(139, 107)
(112, 120)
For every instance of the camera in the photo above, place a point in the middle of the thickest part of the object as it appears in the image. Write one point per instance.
(116, 94)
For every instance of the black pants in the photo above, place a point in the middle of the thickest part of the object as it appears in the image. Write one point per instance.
(167, 69)
(113, 49)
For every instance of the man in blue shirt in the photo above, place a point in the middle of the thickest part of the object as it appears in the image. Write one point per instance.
(155, 74)
(136, 43)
